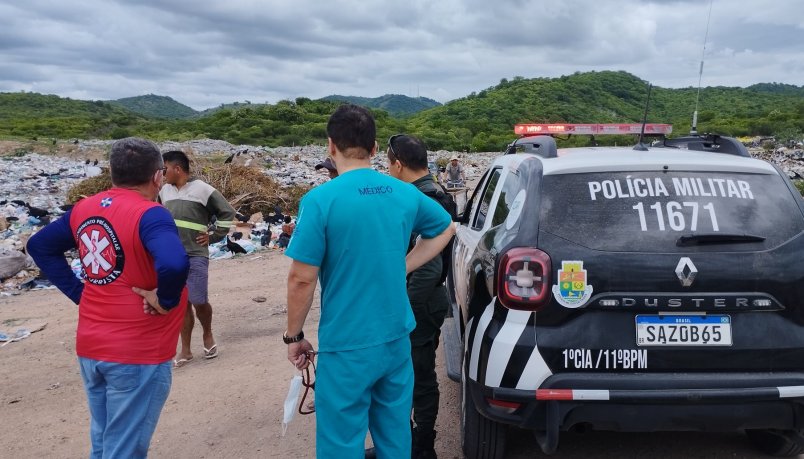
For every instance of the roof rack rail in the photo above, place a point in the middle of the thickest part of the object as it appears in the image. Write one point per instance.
(542, 145)
(709, 142)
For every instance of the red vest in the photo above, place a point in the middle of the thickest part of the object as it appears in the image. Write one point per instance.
(112, 326)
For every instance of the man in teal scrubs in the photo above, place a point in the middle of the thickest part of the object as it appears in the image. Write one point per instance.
(352, 234)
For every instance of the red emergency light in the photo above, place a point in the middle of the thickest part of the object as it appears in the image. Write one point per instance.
(591, 129)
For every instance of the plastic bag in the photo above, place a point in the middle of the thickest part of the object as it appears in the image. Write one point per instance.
(291, 401)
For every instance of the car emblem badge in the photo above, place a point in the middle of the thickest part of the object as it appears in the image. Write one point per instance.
(686, 271)
(572, 290)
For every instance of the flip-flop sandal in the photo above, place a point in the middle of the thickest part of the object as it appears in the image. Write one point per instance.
(178, 363)
(212, 352)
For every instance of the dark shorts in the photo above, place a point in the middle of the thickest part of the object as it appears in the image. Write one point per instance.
(198, 280)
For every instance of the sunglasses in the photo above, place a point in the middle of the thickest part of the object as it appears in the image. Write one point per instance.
(391, 139)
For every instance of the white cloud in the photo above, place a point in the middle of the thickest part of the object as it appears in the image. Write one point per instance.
(207, 53)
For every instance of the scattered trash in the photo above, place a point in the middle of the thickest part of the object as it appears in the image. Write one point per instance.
(19, 332)
(36, 284)
(16, 336)
(259, 299)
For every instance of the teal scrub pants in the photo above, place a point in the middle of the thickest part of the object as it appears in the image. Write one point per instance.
(364, 389)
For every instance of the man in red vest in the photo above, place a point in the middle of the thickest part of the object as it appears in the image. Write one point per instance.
(131, 305)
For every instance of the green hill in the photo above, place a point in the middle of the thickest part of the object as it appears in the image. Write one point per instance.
(481, 121)
(31, 115)
(395, 104)
(484, 120)
(229, 106)
(284, 123)
(153, 106)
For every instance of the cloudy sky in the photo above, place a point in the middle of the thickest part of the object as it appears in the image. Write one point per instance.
(204, 53)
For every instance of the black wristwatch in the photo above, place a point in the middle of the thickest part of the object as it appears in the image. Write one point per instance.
(292, 339)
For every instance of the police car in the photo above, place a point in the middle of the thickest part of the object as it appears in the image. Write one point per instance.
(629, 289)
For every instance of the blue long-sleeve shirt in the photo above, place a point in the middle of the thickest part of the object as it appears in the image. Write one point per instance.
(158, 234)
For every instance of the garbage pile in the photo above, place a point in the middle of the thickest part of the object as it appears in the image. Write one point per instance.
(202, 147)
(296, 165)
(791, 160)
(42, 181)
(291, 165)
(33, 191)
(256, 233)
(17, 223)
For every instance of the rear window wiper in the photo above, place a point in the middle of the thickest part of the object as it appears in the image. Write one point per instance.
(717, 238)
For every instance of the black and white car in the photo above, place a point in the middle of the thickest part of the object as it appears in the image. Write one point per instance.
(630, 289)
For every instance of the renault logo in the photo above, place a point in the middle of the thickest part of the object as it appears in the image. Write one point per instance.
(686, 271)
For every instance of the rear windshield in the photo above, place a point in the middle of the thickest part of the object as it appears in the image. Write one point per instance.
(670, 211)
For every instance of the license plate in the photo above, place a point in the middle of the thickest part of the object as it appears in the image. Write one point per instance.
(655, 330)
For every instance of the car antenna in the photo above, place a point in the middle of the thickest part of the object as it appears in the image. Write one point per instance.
(640, 146)
(694, 128)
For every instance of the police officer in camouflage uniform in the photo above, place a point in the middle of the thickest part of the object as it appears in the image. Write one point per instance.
(407, 161)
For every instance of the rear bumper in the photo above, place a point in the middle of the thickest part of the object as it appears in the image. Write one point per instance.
(663, 388)
(650, 402)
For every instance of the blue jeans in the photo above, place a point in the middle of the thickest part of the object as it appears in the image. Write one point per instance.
(125, 401)
(364, 389)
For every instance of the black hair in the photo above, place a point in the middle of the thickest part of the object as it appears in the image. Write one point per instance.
(409, 150)
(134, 161)
(351, 126)
(287, 219)
(177, 157)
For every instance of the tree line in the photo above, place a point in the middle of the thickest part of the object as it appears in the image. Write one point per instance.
(481, 121)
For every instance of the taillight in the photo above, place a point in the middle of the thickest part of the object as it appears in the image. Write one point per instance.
(523, 279)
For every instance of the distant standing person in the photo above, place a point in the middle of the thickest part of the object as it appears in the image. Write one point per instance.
(453, 173)
(353, 233)
(129, 249)
(196, 207)
(407, 161)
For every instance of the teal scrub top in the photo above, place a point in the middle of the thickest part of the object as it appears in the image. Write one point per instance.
(356, 229)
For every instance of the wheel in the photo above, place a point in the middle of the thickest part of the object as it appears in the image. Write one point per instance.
(775, 442)
(481, 437)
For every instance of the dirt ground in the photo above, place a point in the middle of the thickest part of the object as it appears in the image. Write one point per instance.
(231, 406)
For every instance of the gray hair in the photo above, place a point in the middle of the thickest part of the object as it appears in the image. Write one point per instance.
(134, 161)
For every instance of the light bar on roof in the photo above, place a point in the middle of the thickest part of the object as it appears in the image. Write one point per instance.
(591, 129)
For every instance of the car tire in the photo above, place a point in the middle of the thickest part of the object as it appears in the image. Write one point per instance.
(776, 442)
(481, 438)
